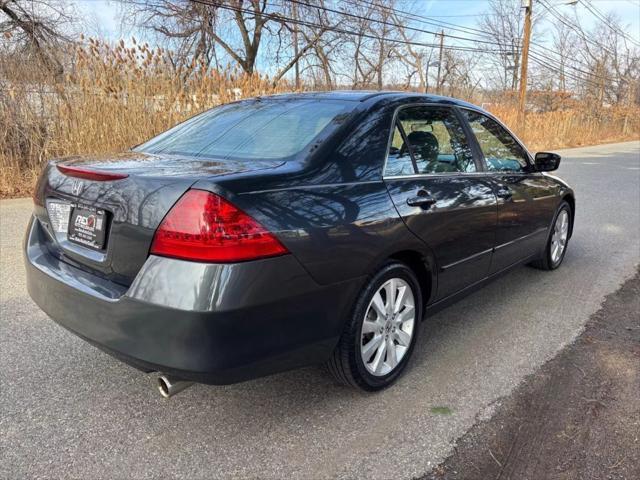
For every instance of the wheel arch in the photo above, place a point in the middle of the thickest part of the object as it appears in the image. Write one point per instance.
(419, 264)
(570, 199)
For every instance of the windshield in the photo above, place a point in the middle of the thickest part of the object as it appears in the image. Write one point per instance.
(253, 129)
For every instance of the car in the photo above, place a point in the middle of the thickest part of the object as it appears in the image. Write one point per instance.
(291, 230)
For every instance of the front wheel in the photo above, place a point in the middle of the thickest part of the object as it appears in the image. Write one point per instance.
(558, 240)
(380, 334)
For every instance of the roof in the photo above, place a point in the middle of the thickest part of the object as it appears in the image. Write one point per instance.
(364, 95)
(349, 95)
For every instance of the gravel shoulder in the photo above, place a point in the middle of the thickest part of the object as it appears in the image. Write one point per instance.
(578, 417)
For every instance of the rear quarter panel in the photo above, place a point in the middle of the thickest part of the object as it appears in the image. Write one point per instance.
(338, 232)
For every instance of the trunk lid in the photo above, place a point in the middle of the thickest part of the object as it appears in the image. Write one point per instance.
(127, 210)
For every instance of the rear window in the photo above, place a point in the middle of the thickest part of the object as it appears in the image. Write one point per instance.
(254, 129)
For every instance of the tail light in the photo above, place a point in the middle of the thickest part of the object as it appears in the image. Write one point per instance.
(203, 226)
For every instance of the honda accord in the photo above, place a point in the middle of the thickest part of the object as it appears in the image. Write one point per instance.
(278, 232)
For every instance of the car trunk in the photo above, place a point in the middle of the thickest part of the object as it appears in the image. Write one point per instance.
(106, 225)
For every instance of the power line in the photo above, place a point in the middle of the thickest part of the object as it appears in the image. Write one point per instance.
(282, 18)
(599, 15)
(450, 47)
(543, 62)
(573, 27)
(462, 15)
(428, 20)
(538, 45)
(384, 22)
(481, 33)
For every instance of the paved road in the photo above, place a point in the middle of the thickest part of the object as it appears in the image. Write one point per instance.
(68, 410)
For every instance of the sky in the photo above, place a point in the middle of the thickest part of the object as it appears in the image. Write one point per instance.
(104, 16)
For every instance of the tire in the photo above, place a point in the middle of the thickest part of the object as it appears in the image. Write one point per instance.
(347, 363)
(549, 261)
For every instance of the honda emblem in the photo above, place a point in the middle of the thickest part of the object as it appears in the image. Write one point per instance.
(76, 187)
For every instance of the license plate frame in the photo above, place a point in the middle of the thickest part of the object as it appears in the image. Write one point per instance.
(88, 227)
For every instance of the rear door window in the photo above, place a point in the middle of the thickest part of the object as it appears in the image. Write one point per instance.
(434, 137)
(399, 161)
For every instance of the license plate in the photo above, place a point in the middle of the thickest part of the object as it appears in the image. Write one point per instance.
(87, 227)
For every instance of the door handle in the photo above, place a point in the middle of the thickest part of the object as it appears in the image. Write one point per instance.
(422, 199)
(504, 192)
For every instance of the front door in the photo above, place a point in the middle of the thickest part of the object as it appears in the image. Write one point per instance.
(431, 176)
(526, 199)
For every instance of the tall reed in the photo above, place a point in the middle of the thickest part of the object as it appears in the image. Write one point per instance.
(572, 127)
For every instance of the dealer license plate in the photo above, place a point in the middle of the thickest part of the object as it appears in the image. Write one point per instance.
(87, 227)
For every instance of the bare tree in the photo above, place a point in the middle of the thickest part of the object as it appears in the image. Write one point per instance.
(37, 28)
(312, 24)
(457, 74)
(358, 50)
(413, 57)
(194, 27)
(240, 28)
(605, 64)
(565, 43)
(503, 23)
(372, 44)
(614, 61)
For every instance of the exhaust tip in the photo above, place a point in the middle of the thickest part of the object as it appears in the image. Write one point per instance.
(163, 386)
(168, 386)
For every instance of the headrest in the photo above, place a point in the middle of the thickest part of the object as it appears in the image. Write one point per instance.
(426, 144)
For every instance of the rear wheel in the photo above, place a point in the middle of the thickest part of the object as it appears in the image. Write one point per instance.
(380, 334)
(558, 240)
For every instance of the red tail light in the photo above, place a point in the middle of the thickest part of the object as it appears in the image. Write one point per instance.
(88, 174)
(203, 226)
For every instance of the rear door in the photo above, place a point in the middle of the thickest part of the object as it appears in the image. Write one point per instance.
(432, 177)
(526, 199)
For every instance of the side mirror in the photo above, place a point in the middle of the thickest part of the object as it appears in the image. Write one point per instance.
(547, 161)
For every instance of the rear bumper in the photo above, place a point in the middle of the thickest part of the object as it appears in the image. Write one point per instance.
(209, 323)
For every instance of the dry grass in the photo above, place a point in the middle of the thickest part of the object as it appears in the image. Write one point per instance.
(114, 97)
(573, 127)
(118, 96)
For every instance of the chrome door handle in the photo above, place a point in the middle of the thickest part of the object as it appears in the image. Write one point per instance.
(422, 199)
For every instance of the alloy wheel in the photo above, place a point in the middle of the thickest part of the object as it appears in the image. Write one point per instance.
(388, 327)
(559, 236)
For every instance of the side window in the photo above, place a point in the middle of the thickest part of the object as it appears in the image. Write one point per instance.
(399, 159)
(501, 151)
(435, 138)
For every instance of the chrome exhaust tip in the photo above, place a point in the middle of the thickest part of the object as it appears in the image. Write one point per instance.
(168, 386)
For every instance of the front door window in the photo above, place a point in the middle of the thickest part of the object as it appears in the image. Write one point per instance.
(502, 153)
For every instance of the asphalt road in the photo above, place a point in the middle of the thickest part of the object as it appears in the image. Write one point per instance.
(68, 410)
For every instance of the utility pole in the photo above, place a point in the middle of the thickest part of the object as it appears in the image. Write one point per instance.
(426, 73)
(294, 7)
(438, 88)
(522, 98)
